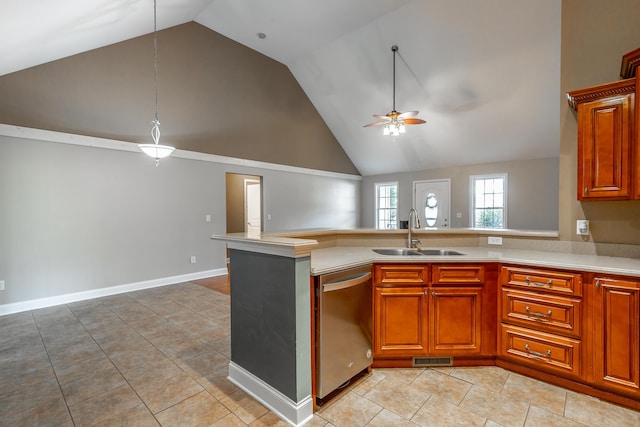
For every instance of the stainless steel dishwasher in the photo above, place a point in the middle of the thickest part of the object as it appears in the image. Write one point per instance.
(343, 327)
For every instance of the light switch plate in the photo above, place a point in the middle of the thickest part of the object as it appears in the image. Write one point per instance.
(1, 285)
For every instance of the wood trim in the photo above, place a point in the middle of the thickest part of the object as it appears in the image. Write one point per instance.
(580, 96)
(630, 62)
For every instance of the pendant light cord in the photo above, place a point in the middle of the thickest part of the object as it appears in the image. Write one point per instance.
(155, 56)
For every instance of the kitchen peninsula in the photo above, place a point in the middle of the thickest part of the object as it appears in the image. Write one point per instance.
(557, 316)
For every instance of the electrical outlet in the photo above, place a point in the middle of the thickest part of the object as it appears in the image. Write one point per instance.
(1, 285)
(582, 227)
(207, 218)
(193, 259)
(494, 240)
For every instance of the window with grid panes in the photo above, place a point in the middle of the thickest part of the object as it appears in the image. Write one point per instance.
(489, 201)
(387, 205)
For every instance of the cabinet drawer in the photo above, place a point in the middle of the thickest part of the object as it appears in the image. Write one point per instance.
(542, 312)
(458, 274)
(542, 280)
(541, 350)
(401, 274)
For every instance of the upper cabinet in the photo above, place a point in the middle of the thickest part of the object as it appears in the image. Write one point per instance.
(608, 137)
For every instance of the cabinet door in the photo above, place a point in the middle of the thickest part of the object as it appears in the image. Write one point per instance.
(604, 135)
(455, 321)
(617, 334)
(400, 322)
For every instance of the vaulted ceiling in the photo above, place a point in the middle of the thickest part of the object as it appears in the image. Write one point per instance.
(485, 75)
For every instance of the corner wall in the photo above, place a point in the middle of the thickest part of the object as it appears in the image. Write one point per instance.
(595, 35)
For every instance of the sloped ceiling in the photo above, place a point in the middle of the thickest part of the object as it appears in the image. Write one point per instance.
(484, 75)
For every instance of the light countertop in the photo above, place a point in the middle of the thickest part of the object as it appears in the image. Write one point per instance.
(339, 258)
(327, 260)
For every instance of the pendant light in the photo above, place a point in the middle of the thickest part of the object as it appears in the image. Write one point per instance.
(156, 150)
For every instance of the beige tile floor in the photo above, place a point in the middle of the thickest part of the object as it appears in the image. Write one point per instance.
(160, 356)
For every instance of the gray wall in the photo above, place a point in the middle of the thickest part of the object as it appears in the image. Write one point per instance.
(532, 192)
(215, 96)
(77, 218)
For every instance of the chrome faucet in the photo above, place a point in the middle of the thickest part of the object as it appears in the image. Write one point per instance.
(411, 242)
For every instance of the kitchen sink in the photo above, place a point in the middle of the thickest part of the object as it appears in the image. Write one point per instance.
(414, 252)
(397, 252)
(439, 252)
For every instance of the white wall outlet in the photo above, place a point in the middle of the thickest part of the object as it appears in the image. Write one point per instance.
(582, 227)
(269, 217)
(458, 214)
(494, 240)
(193, 259)
(1, 285)
(207, 218)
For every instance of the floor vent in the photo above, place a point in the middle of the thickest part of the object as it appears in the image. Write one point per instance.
(426, 362)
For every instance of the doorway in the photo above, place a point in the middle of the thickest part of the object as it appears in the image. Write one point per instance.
(244, 203)
(432, 201)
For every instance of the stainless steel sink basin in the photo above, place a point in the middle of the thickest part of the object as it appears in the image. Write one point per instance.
(397, 252)
(414, 252)
(439, 252)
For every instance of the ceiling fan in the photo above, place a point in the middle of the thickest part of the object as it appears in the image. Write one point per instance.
(395, 121)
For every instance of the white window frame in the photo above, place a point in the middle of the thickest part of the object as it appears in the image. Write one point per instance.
(377, 187)
(472, 204)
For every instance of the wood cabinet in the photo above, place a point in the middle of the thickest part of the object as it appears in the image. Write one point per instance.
(400, 321)
(616, 325)
(607, 141)
(433, 310)
(455, 309)
(541, 317)
(455, 319)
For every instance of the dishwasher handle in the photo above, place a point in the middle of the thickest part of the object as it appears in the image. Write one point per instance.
(343, 284)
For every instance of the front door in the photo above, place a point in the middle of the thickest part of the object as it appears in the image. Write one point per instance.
(431, 199)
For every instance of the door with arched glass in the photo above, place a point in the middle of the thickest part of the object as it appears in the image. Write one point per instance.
(431, 199)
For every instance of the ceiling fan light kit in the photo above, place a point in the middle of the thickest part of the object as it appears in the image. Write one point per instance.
(394, 122)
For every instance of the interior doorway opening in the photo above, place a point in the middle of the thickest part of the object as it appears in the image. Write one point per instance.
(244, 203)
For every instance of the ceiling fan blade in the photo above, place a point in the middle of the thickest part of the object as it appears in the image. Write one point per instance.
(411, 121)
(375, 124)
(408, 114)
(378, 116)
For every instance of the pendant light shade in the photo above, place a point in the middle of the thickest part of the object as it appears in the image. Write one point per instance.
(156, 150)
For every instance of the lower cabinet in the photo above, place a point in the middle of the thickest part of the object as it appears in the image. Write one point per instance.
(542, 350)
(580, 330)
(400, 321)
(455, 319)
(431, 310)
(616, 324)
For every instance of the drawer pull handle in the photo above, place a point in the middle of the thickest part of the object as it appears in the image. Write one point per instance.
(537, 353)
(532, 282)
(536, 314)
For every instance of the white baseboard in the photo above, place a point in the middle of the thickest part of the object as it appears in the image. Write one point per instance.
(34, 304)
(295, 413)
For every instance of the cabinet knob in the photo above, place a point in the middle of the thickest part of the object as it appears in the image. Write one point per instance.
(586, 190)
(597, 284)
